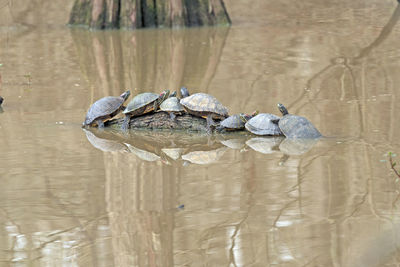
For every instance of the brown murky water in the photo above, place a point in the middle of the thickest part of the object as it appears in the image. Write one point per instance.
(70, 197)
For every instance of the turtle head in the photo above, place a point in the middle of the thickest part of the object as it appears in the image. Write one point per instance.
(282, 109)
(244, 117)
(184, 92)
(125, 95)
(255, 113)
(164, 95)
(173, 94)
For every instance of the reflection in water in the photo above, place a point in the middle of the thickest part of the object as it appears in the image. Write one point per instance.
(65, 202)
(150, 60)
(204, 157)
(265, 145)
(193, 147)
(104, 142)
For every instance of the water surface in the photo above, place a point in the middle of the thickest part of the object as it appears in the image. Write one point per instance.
(75, 198)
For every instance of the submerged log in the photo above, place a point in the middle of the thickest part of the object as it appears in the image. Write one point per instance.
(133, 14)
(162, 120)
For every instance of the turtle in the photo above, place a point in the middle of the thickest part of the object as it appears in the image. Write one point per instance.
(172, 106)
(205, 106)
(104, 109)
(293, 126)
(235, 122)
(184, 92)
(264, 124)
(142, 104)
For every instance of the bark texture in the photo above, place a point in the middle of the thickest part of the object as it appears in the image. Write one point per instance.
(133, 14)
(161, 120)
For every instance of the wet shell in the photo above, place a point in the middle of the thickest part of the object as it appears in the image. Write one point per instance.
(139, 101)
(104, 108)
(233, 122)
(294, 126)
(201, 104)
(171, 104)
(263, 124)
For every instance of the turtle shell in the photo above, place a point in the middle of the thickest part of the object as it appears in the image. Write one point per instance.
(105, 108)
(293, 126)
(233, 122)
(264, 124)
(140, 101)
(202, 105)
(171, 104)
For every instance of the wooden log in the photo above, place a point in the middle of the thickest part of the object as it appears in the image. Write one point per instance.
(162, 120)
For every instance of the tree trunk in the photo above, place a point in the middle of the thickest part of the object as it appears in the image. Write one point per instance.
(132, 14)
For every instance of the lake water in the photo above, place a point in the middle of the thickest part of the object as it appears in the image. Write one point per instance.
(70, 197)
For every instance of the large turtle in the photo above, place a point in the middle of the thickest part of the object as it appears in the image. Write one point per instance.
(235, 122)
(104, 109)
(142, 104)
(205, 106)
(293, 126)
(264, 124)
(172, 106)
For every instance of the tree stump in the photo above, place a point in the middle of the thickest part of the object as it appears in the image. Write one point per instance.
(134, 14)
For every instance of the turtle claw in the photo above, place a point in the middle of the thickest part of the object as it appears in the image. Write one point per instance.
(172, 116)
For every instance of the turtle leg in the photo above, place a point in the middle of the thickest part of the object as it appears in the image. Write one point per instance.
(210, 123)
(100, 124)
(125, 124)
(172, 116)
(156, 105)
(219, 128)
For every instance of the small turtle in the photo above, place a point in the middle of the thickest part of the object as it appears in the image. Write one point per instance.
(184, 92)
(172, 106)
(235, 122)
(205, 106)
(104, 109)
(142, 104)
(264, 124)
(293, 126)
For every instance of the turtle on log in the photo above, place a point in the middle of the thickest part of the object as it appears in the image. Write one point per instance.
(141, 104)
(293, 126)
(104, 109)
(205, 106)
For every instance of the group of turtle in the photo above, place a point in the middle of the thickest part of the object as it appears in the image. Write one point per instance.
(200, 105)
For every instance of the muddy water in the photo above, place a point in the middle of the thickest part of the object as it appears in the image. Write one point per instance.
(75, 198)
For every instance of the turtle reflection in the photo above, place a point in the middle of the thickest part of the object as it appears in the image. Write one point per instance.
(297, 146)
(143, 154)
(104, 141)
(173, 153)
(265, 145)
(204, 157)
